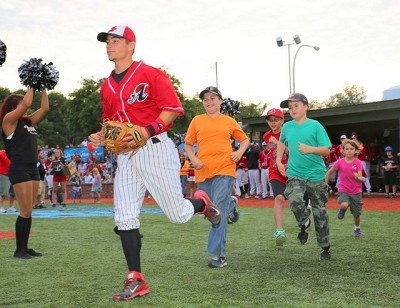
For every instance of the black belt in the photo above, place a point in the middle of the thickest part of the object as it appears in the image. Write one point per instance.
(155, 140)
(265, 167)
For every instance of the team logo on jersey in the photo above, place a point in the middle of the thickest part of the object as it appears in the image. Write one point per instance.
(30, 129)
(139, 94)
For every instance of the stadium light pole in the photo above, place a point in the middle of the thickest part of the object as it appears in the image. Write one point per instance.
(316, 48)
(216, 74)
(296, 40)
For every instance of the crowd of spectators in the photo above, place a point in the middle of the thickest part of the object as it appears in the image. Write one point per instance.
(249, 183)
(103, 166)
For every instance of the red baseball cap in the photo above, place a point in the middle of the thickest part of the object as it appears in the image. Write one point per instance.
(275, 112)
(118, 31)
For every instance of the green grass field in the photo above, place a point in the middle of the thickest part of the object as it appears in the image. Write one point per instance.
(83, 264)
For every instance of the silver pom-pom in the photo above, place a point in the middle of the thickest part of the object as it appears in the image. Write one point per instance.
(38, 75)
(3, 52)
(230, 107)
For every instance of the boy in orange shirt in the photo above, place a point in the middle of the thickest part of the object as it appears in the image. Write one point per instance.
(215, 165)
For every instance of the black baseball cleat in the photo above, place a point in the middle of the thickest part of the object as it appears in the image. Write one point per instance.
(22, 254)
(211, 211)
(325, 254)
(34, 253)
(303, 234)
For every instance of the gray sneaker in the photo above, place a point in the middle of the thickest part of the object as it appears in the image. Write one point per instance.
(220, 262)
(211, 211)
(234, 215)
(303, 234)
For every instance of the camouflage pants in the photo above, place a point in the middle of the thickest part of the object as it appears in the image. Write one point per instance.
(318, 194)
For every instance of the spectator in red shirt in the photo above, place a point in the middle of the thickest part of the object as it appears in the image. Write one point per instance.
(264, 161)
(5, 184)
(329, 162)
(363, 156)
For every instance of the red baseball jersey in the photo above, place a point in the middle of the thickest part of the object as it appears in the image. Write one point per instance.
(265, 159)
(363, 152)
(140, 96)
(332, 157)
(274, 173)
(242, 160)
(339, 152)
(4, 163)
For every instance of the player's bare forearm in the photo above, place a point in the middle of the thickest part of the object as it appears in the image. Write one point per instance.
(168, 117)
(281, 168)
(328, 174)
(358, 177)
(28, 98)
(189, 150)
(39, 114)
(308, 149)
(44, 101)
(194, 161)
(237, 155)
(197, 163)
(280, 149)
(273, 140)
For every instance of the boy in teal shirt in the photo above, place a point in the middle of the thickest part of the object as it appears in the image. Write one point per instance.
(307, 142)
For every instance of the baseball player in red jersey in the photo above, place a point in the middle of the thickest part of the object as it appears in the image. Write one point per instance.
(363, 156)
(264, 162)
(329, 162)
(5, 183)
(338, 148)
(143, 95)
(275, 119)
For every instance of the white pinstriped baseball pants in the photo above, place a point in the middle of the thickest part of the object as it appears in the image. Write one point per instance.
(155, 167)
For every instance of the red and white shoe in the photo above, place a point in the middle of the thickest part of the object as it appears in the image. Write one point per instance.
(211, 210)
(135, 286)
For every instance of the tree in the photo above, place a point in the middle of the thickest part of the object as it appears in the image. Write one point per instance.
(314, 104)
(250, 110)
(4, 92)
(192, 106)
(83, 111)
(351, 95)
(52, 130)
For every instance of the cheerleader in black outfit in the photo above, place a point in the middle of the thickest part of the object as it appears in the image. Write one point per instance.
(20, 139)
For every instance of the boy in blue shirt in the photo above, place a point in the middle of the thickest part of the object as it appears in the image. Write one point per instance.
(307, 142)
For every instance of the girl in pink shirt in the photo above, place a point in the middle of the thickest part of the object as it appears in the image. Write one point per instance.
(350, 186)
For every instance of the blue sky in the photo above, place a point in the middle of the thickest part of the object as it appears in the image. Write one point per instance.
(358, 40)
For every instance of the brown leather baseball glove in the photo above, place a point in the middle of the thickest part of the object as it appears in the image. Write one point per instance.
(114, 132)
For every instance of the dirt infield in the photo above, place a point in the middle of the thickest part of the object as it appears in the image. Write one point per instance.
(370, 203)
(375, 202)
